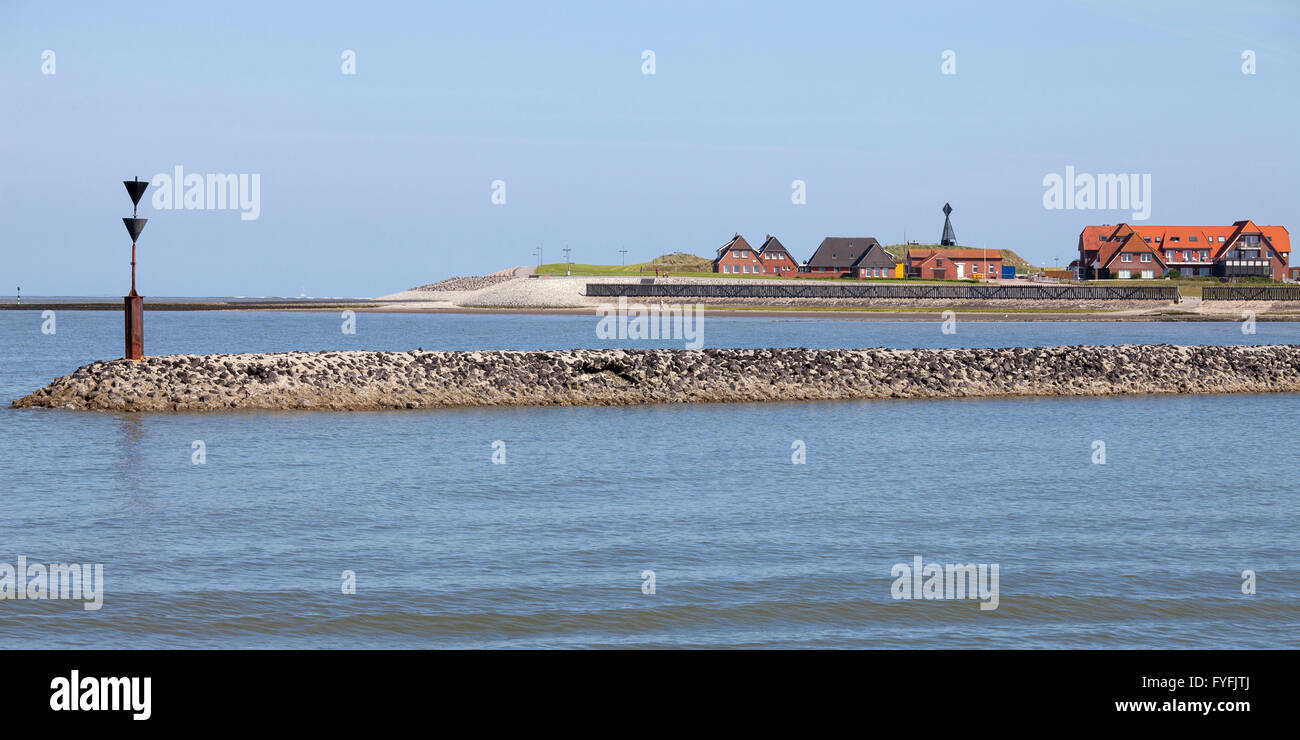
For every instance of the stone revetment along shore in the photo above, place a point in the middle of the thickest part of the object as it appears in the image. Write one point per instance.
(587, 377)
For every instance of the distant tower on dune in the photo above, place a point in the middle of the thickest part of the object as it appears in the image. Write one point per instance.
(949, 238)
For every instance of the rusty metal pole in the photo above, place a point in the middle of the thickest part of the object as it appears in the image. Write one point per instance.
(133, 304)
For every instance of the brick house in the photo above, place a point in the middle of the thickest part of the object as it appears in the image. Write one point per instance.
(736, 257)
(1243, 249)
(776, 258)
(954, 264)
(836, 256)
(875, 262)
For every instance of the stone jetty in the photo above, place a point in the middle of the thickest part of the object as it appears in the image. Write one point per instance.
(585, 377)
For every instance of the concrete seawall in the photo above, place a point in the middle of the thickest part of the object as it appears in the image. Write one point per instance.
(400, 380)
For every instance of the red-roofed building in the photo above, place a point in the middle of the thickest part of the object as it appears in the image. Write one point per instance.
(1243, 249)
(737, 257)
(954, 264)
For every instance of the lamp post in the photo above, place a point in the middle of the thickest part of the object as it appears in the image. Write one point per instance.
(134, 302)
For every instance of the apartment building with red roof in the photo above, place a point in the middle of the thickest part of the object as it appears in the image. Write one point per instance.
(736, 256)
(776, 259)
(1243, 249)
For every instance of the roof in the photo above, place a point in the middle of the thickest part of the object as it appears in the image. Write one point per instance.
(875, 256)
(1162, 237)
(772, 244)
(841, 251)
(956, 254)
(736, 242)
(1130, 241)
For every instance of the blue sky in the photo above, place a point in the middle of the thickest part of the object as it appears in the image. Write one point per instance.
(374, 182)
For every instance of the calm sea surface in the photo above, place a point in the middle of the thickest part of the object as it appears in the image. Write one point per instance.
(549, 549)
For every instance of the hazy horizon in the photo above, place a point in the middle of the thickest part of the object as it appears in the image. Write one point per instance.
(381, 180)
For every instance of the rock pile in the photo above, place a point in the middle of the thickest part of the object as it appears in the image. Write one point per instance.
(420, 379)
(472, 282)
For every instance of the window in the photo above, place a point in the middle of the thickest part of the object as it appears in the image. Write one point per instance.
(1220, 240)
(1174, 239)
(1204, 255)
(1146, 239)
(1192, 239)
(1124, 274)
(1148, 274)
(1146, 258)
(1103, 238)
(746, 268)
(1158, 239)
(1126, 257)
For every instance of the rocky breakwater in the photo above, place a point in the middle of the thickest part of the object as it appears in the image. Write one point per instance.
(420, 379)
